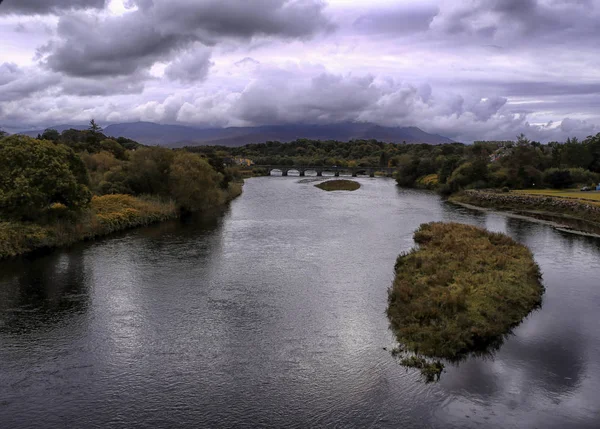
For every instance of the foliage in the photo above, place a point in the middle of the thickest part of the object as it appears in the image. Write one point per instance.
(117, 212)
(148, 171)
(461, 290)
(35, 174)
(194, 183)
(107, 214)
(515, 164)
(46, 187)
(339, 185)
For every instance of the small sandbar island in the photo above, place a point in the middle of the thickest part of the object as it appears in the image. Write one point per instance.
(339, 185)
(459, 293)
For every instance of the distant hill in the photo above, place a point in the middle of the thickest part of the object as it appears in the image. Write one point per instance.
(180, 135)
(59, 128)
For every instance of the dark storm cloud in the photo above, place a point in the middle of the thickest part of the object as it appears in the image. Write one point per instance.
(191, 66)
(523, 22)
(41, 7)
(82, 87)
(17, 83)
(120, 45)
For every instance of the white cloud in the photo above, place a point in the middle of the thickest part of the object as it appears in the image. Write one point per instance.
(473, 72)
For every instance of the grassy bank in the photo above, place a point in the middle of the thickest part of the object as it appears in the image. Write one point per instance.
(458, 293)
(107, 214)
(339, 185)
(571, 194)
(528, 202)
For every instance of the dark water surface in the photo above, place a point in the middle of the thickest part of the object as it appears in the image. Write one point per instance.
(273, 315)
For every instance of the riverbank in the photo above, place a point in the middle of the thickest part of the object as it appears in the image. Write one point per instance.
(107, 214)
(459, 293)
(569, 213)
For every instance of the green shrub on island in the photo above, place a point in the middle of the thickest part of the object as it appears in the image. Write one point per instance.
(459, 293)
(339, 185)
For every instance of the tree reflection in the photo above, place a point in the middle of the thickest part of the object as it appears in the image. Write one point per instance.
(41, 291)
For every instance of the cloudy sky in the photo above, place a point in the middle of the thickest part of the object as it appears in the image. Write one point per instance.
(470, 69)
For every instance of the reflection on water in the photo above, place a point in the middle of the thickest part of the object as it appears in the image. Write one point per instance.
(273, 315)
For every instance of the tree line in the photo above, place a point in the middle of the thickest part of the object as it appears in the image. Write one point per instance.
(61, 172)
(521, 163)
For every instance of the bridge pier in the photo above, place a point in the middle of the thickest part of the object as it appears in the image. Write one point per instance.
(302, 174)
(284, 173)
(337, 174)
(319, 173)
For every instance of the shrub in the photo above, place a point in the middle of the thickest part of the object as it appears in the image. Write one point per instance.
(193, 183)
(35, 174)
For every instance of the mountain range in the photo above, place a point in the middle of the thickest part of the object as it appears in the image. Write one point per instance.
(150, 133)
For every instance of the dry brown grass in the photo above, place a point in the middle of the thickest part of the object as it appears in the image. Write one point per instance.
(107, 214)
(339, 185)
(461, 290)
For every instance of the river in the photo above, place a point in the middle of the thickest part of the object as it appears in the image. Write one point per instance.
(273, 315)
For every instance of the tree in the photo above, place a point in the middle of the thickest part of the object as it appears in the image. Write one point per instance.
(113, 147)
(94, 127)
(558, 178)
(50, 134)
(3, 133)
(35, 174)
(194, 183)
(148, 171)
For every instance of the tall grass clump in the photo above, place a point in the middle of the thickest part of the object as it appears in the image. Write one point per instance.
(460, 292)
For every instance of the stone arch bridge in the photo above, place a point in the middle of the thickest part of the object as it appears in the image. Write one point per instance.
(302, 170)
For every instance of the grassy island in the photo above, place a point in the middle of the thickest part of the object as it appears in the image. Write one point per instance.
(459, 293)
(339, 185)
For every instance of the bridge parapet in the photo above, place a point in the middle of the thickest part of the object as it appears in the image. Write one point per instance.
(319, 170)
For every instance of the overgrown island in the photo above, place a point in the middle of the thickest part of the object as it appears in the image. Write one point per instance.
(62, 188)
(339, 185)
(460, 292)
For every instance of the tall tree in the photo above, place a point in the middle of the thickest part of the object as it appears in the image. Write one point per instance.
(94, 127)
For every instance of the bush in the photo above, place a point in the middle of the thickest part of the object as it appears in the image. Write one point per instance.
(35, 174)
(558, 178)
(193, 183)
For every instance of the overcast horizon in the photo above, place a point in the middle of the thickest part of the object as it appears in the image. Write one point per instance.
(469, 70)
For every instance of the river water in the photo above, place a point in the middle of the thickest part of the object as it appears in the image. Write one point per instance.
(273, 315)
